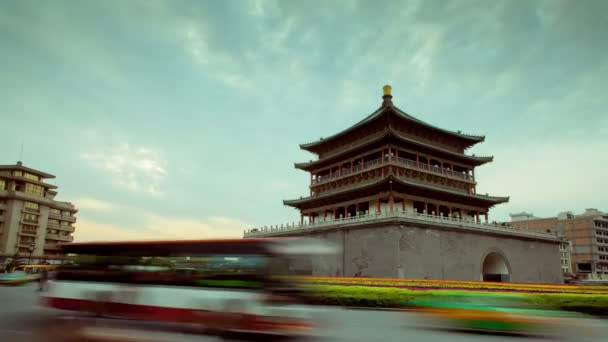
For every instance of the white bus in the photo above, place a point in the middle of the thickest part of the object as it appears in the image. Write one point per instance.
(227, 286)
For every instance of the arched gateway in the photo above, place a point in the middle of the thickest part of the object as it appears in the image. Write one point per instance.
(495, 267)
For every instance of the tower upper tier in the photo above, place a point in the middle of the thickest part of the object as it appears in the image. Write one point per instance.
(389, 118)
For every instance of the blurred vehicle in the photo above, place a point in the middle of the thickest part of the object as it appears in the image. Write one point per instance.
(507, 314)
(212, 286)
(15, 278)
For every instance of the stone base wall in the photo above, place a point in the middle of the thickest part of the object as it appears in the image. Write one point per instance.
(408, 251)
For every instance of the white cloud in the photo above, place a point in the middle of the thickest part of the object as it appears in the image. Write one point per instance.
(136, 169)
(89, 203)
(547, 178)
(216, 63)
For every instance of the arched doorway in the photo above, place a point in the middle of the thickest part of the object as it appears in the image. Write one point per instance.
(495, 267)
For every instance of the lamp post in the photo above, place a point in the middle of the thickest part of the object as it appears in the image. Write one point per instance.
(31, 252)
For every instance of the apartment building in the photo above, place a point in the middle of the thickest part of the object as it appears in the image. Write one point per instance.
(32, 221)
(586, 235)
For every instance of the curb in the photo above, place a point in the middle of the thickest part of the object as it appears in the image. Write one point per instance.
(374, 309)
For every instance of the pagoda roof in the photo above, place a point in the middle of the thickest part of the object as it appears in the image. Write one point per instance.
(398, 184)
(388, 133)
(389, 109)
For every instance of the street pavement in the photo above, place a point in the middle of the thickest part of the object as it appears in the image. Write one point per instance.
(21, 317)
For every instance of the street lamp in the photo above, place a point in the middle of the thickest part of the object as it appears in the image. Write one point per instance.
(32, 245)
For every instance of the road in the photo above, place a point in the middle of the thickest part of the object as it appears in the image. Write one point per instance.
(20, 315)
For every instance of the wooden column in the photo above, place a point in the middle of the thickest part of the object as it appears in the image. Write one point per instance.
(477, 216)
(378, 205)
(486, 216)
(357, 209)
(403, 204)
(426, 208)
(311, 183)
(450, 212)
(301, 219)
(391, 202)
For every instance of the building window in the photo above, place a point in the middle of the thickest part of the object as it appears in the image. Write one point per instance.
(67, 213)
(26, 239)
(17, 173)
(29, 228)
(53, 221)
(32, 218)
(55, 211)
(34, 189)
(32, 206)
(52, 231)
(31, 176)
(2, 184)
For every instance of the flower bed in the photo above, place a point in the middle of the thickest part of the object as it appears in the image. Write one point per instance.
(423, 284)
(365, 296)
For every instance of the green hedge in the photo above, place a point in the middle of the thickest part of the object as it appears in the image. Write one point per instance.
(362, 296)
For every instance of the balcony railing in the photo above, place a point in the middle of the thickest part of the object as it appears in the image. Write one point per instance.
(62, 217)
(65, 228)
(28, 233)
(60, 237)
(424, 218)
(410, 164)
(60, 227)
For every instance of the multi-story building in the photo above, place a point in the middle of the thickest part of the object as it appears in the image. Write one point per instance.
(400, 197)
(32, 222)
(586, 235)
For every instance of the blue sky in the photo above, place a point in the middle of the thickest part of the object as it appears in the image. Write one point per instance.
(183, 118)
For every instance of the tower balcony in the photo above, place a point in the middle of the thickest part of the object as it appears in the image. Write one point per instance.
(309, 227)
(397, 161)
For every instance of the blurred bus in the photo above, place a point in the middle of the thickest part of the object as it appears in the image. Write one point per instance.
(200, 286)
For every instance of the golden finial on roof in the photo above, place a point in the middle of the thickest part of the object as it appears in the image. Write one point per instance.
(387, 89)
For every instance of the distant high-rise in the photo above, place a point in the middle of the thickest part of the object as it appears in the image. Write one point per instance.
(32, 222)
